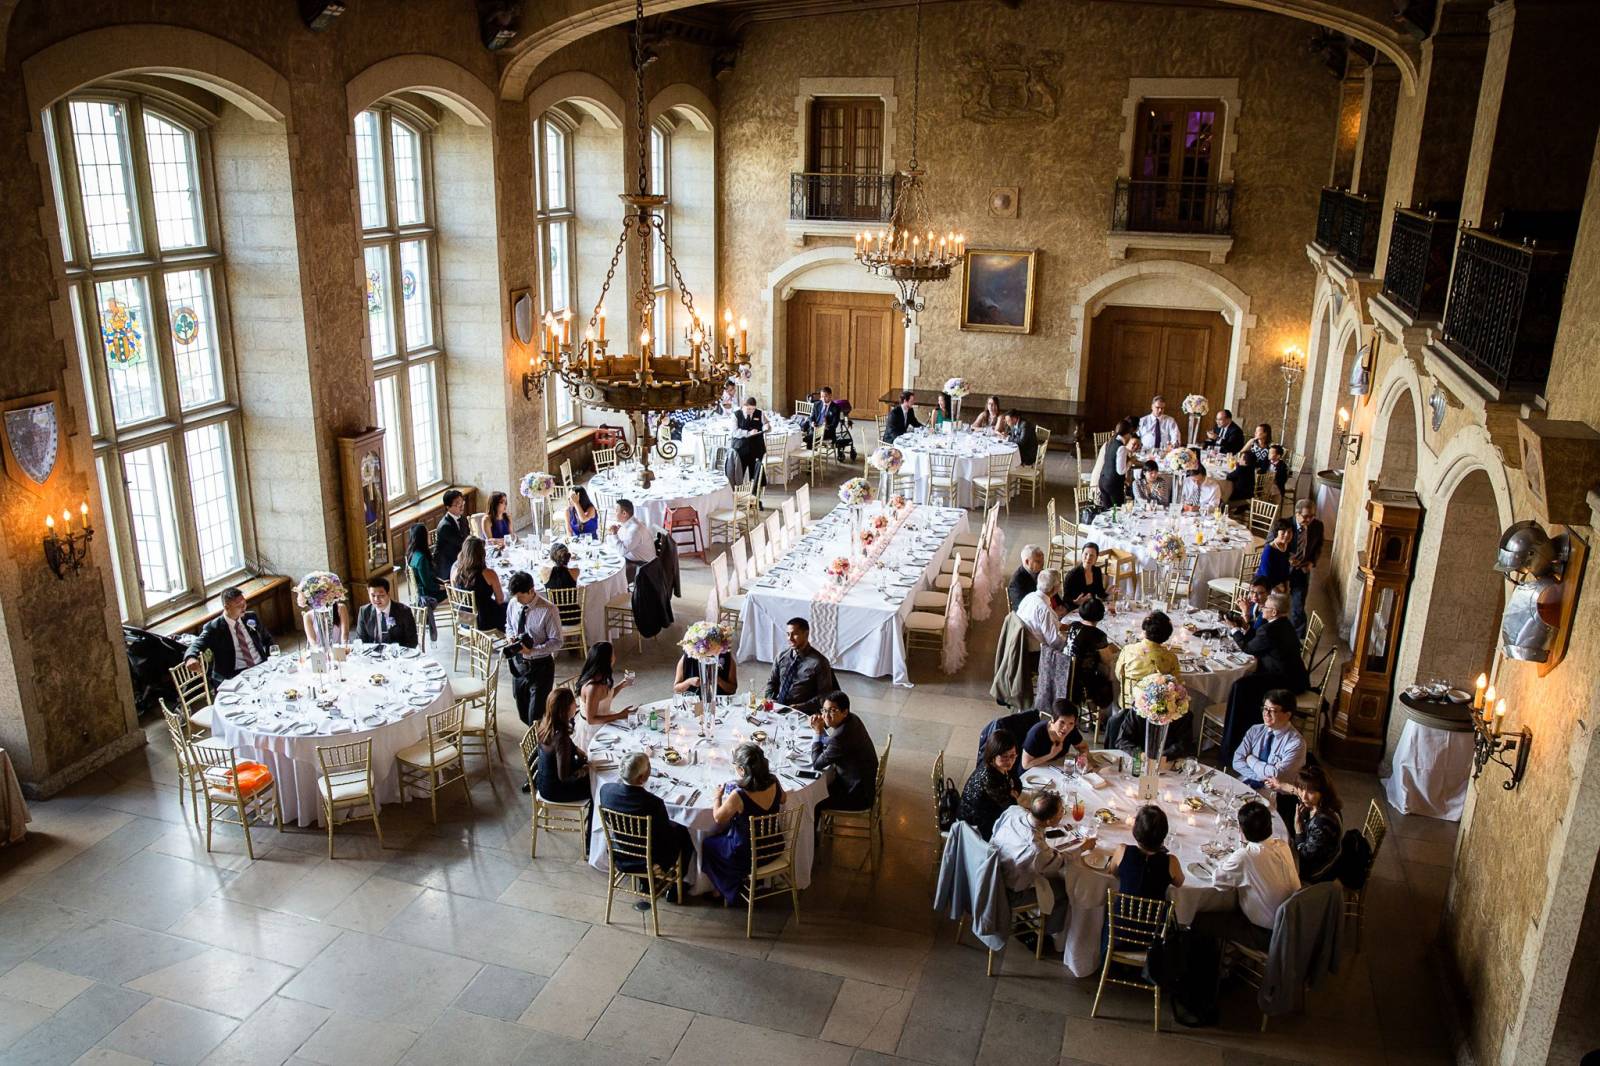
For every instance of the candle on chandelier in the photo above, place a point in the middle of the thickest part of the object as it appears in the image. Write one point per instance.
(588, 347)
(744, 337)
(566, 328)
(83, 513)
(602, 324)
(66, 520)
(1344, 423)
(1477, 692)
(50, 523)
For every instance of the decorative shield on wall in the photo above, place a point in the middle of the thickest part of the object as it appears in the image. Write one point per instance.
(32, 438)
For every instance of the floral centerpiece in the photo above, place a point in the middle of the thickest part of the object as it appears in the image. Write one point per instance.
(839, 569)
(538, 487)
(857, 492)
(868, 538)
(704, 640)
(880, 522)
(886, 459)
(1169, 549)
(1177, 461)
(1160, 699)
(1196, 407)
(899, 502)
(956, 388)
(319, 592)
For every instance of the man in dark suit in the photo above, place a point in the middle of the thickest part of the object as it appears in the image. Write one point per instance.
(1227, 438)
(825, 415)
(1304, 550)
(235, 638)
(1278, 665)
(669, 841)
(384, 621)
(802, 676)
(843, 743)
(1020, 432)
(1026, 579)
(452, 532)
(902, 418)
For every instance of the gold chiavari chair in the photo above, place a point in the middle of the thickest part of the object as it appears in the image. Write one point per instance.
(619, 618)
(1373, 829)
(476, 522)
(802, 506)
(1031, 475)
(192, 679)
(1100, 440)
(864, 824)
(569, 602)
(802, 409)
(551, 817)
(480, 724)
(938, 800)
(567, 484)
(604, 459)
(1134, 926)
(1313, 637)
(435, 761)
(994, 484)
(236, 793)
(942, 477)
(183, 741)
(1182, 579)
(1234, 587)
(772, 846)
(959, 577)
(925, 628)
(463, 620)
(1082, 497)
(714, 444)
(1262, 514)
(775, 465)
(1309, 707)
(628, 844)
(346, 782)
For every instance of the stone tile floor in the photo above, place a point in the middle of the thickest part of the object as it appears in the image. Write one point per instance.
(123, 941)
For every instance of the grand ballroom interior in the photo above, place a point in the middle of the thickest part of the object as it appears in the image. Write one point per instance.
(831, 531)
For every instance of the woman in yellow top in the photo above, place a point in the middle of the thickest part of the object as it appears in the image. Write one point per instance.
(1150, 655)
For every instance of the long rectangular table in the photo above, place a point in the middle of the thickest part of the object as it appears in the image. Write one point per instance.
(863, 629)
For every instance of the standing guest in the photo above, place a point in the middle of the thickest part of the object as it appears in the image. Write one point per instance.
(1158, 431)
(1199, 492)
(533, 636)
(1304, 551)
(1278, 467)
(1111, 467)
(1227, 438)
(562, 771)
(1026, 853)
(497, 526)
(754, 791)
(1260, 445)
(843, 743)
(1317, 828)
(1151, 487)
(991, 788)
(424, 581)
(728, 402)
(749, 441)
(670, 842)
(1086, 581)
(1264, 875)
(941, 412)
(1146, 868)
(631, 537)
(235, 638)
(451, 533)
(1049, 740)
(1088, 647)
(1150, 655)
(1272, 751)
(563, 575)
(1278, 665)
(583, 518)
(597, 687)
(802, 677)
(472, 574)
(989, 417)
(686, 678)
(1021, 433)
(383, 621)
(1276, 561)
(1026, 578)
(1242, 479)
(902, 418)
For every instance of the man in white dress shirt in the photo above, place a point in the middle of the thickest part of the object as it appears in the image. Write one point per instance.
(1038, 615)
(1026, 854)
(1158, 431)
(1264, 873)
(632, 537)
(1199, 492)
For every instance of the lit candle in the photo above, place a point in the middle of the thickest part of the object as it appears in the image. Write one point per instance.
(602, 324)
(50, 523)
(566, 328)
(1477, 692)
(66, 520)
(1344, 418)
(644, 343)
(1499, 716)
(744, 337)
(727, 316)
(588, 347)
(83, 512)
(1488, 696)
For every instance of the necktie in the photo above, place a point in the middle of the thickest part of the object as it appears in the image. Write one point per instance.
(245, 647)
(788, 679)
(1158, 434)
(1266, 749)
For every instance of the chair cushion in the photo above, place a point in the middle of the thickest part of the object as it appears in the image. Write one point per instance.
(472, 719)
(343, 785)
(943, 582)
(466, 688)
(201, 719)
(1310, 702)
(622, 601)
(417, 754)
(776, 866)
(931, 601)
(925, 622)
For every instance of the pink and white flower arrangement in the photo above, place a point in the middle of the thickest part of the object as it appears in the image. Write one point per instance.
(538, 485)
(1160, 699)
(880, 522)
(1169, 549)
(857, 492)
(899, 502)
(1177, 461)
(839, 569)
(868, 537)
(1196, 405)
(704, 640)
(320, 589)
(887, 457)
(956, 388)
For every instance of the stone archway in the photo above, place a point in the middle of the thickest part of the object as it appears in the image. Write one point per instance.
(1315, 398)
(1396, 439)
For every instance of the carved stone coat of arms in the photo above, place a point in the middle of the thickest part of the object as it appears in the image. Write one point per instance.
(1022, 87)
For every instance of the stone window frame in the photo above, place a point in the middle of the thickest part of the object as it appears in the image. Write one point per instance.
(558, 401)
(661, 289)
(808, 90)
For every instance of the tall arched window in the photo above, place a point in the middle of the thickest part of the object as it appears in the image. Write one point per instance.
(556, 224)
(394, 176)
(660, 283)
(149, 299)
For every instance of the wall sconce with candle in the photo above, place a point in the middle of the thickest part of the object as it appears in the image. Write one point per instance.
(66, 548)
(1490, 740)
(1349, 443)
(1294, 364)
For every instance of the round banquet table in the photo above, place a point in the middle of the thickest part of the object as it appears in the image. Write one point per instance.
(692, 440)
(269, 714)
(1189, 836)
(1135, 530)
(972, 452)
(600, 573)
(690, 787)
(1217, 465)
(674, 486)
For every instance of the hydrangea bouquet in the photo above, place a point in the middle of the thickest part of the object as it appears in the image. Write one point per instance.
(1160, 699)
(839, 569)
(1169, 549)
(704, 640)
(538, 485)
(887, 457)
(956, 388)
(320, 590)
(857, 492)
(1196, 407)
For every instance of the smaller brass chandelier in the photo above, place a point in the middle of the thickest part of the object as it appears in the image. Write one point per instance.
(909, 251)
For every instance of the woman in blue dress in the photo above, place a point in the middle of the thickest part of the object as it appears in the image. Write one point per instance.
(498, 524)
(583, 518)
(725, 854)
(1275, 554)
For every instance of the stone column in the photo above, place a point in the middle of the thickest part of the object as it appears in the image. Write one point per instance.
(1346, 132)
(1380, 91)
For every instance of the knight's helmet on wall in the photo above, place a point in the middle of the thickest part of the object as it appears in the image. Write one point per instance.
(1531, 560)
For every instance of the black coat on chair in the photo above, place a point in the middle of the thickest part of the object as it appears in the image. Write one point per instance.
(652, 598)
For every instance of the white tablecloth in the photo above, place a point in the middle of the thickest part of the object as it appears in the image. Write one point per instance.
(674, 486)
(14, 816)
(1217, 465)
(972, 452)
(600, 574)
(867, 629)
(1431, 771)
(246, 705)
(692, 440)
(690, 788)
(1187, 833)
(1208, 666)
(1135, 530)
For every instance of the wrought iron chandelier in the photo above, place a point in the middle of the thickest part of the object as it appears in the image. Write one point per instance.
(910, 251)
(647, 383)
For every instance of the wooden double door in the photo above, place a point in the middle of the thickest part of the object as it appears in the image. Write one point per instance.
(1139, 352)
(853, 342)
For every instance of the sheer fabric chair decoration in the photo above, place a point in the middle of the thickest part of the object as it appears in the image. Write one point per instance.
(569, 602)
(345, 783)
(987, 576)
(192, 680)
(960, 577)
(864, 824)
(772, 846)
(436, 761)
(631, 866)
(1031, 475)
(994, 484)
(551, 817)
(932, 629)
(1373, 830)
(236, 793)
(1134, 925)
(479, 703)
(183, 741)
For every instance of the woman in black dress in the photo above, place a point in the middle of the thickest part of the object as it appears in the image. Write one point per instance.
(472, 574)
(1145, 867)
(991, 788)
(1086, 642)
(687, 678)
(563, 575)
(562, 773)
(749, 444)
(1085, 581)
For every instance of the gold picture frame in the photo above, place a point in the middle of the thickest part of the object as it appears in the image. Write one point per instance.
(997, 290)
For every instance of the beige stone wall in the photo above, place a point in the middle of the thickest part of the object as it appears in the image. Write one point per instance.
(1065, 167)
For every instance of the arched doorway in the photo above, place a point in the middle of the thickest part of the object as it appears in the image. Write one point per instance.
(1397, 444)
(1317, 393)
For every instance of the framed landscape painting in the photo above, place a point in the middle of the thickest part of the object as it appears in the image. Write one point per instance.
(997, 290)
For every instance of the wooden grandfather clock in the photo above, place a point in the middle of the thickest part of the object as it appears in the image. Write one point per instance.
(1356, 737)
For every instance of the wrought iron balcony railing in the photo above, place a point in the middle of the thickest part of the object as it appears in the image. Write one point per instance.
(865, 198)
(1504, 307)
(1172, 207)
(1330, 208)
(1358, 232)
(1416, 275)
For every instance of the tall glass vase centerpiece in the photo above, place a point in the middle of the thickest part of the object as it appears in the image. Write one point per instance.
(886, 459)
(538, 487)
(705, 642)
(1196, 407)
(1160, 699)
(956, 389)
(1169, 551)
(856, 494)
(320, 593)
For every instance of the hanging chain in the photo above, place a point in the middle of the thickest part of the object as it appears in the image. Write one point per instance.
(638, 76)
(916, 85)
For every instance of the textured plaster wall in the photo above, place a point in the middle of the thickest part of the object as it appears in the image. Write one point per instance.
(1065, 167)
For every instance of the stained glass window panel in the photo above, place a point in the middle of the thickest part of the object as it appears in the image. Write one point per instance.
(100, 140)
(369, 170)
(152, 515)
(174, 183)
(380, 301)
(408, 202)
(216, 511)
(555, 167)
(560, 266)
(191, 316)
(415, 295)
(386, 392)
(424, 424)
(125, 345)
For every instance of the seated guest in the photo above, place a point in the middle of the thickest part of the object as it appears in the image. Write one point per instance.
(1227, 438)
(1125, 731)
(1278, 467)
(902, 418)
(497, 521)
(1026, 853)
(1276, 564)
(1048, 741)
(1021, 433)
(989, 417)
(562, 772)
(669, 841)
(1085, 581)
(563, 575)
(1317, 829)
(823, 424)
(631, 536)
(1111, 466)
(235, 638)
(1146, 868)
(1026, 578)
(991, 788)
(1247, 615)
(1037, 612)
(1260, 445)
(842, 743)
(1304, 551)
(1198, 492)
(1158, 431)
(419, 564)
(1272, 751)
(1242, 480)
(802, 676)
(383, 621)
(1088, 647)
(754, 791)
(1151, 487)
(472, 574)
(687, 676)
(597, 689)
(583, 518)
(1278, 665)
(1263, 873)
(1150, 655)
(941, 412)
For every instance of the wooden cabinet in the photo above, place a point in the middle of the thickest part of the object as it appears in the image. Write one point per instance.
(366, 504)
